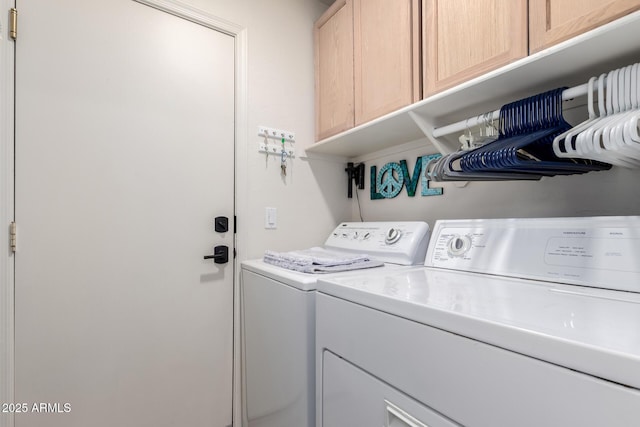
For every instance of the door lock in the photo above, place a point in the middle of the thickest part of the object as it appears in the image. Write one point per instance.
(221, 224)
(220, 255)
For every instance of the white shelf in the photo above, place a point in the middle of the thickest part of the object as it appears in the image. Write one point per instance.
(567, 64)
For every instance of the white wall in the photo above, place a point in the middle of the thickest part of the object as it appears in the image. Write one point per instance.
(281, 95)
(613, 192)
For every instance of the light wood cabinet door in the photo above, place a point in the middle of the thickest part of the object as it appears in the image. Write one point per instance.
(553, 21)
(467, 38)
(386, 56)
(333, 34)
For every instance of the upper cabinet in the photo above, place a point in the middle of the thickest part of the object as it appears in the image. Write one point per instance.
(334, 70)
(554, 21)
(386, 56)
(463, 39)
(367, 62)
(474, 55)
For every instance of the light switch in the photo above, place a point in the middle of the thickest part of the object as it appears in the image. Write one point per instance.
(270, 218)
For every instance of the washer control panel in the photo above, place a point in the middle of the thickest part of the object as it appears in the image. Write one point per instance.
(395, 242)
(593, 251)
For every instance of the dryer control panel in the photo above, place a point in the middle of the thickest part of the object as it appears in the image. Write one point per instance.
(402, 243)
(595, 251)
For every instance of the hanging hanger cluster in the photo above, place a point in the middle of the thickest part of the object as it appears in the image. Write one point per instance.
(523, 150)
(535, 140)
(610, 135)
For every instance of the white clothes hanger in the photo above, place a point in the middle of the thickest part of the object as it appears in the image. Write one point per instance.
(629, 130)
(625, 100)
(615, 139)
(603, 145)
(568, 150)
(591, 142)
(584, 140)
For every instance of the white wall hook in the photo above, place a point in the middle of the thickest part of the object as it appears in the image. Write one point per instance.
(278, 134)
(275, 149)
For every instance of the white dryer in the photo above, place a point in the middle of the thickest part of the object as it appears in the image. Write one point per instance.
(513, 322)
(278, 319)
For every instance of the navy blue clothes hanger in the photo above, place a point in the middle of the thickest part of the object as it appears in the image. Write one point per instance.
(539, 154)
(524, 147)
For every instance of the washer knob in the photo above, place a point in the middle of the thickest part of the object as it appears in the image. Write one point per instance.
(459, 245)
(392, 236)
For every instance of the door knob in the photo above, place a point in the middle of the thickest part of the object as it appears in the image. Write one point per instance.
(220, 255)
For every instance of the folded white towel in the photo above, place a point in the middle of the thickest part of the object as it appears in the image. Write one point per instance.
(320, 260)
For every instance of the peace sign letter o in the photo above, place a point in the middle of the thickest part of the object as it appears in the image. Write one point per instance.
(390, 180)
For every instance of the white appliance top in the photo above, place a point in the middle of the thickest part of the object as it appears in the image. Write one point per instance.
(585, 328)
(398, 244)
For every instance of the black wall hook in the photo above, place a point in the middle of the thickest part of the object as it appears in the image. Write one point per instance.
(355, 173)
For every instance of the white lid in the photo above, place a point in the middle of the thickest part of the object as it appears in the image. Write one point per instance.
(589, 330)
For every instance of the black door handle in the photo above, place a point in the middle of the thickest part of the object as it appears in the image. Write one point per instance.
(220, 255)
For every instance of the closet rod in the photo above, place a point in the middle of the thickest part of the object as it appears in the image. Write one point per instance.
(463, 125)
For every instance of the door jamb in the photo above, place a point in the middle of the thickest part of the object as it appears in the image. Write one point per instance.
(7, 60)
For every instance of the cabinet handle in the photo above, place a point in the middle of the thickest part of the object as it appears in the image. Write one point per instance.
(396, 417)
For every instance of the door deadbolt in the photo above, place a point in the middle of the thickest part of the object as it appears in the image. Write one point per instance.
(221, 224)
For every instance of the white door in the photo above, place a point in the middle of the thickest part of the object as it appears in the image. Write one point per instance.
(124, 157)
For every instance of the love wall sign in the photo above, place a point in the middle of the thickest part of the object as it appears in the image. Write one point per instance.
(392, 177)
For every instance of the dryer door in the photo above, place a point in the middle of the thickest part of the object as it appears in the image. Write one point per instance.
(352, 397)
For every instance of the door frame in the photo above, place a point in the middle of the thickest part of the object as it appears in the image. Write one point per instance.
(7, 196)
(7, 56)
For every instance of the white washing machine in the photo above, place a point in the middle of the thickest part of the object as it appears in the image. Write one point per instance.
(521, 322)
(278, 319)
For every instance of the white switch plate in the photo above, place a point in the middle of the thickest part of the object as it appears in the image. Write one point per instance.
(270, 218)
